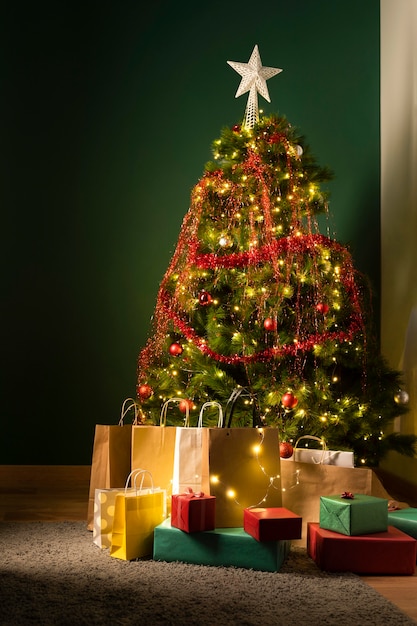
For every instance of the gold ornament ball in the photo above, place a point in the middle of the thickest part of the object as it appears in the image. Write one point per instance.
(401, 397)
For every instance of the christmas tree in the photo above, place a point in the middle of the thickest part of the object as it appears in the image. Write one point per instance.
(262, 313)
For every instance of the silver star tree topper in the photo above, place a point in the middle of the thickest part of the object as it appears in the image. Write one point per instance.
(254, 78)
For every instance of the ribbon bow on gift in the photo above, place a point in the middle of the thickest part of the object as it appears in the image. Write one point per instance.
(347, 495)
(193, 494)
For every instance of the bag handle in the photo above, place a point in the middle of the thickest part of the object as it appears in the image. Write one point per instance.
(163, 419)
(321, 441)
(125, 410)
(206, 405)
(134, 474)
(236, 393)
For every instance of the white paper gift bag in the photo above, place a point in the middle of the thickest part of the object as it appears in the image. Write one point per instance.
(341, 458)
(104, 502)
(191, 468)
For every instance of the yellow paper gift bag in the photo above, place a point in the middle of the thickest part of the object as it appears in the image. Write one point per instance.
(153, 448)
(137, 512)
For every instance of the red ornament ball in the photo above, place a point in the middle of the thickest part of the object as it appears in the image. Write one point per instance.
(145, 392)
(286, 450)
(175, 349)
(205, 298)
(322, 308)
(288, 400)
(275, 138)
(236, 128)
(184, 404)
(270, 324)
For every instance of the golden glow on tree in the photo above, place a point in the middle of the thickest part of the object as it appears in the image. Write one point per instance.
(260, 300)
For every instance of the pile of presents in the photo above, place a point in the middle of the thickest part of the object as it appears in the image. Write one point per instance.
(133, 523)
(166, 511)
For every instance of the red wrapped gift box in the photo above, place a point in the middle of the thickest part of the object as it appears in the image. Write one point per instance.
(193, 512)
(272, 524)
(390, 552)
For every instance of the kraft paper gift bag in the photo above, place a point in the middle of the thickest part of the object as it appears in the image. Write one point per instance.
(191, 455)
(244, 466)
(304, 483)
(137, 513)
(153, 448)
(110, 465)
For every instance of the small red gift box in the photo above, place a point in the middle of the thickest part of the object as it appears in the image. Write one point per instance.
(272, 524)
(390, 552)
(193, 512)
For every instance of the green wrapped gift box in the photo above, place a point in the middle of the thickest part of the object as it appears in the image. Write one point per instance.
(222, 546)
(359, 515)
(405, 520)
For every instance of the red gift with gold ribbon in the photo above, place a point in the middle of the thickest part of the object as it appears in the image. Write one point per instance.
(193, 511)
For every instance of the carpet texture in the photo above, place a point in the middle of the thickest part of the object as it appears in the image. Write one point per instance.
(53, 574)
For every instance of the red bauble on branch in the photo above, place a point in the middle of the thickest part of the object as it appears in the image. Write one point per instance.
(270, 324)
(286, 450)
(322, 307)
(184, 404)
(205, 298)
(175, 349)
(145, 392)
(289, 400)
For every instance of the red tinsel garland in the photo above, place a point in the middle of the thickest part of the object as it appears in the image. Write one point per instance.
(264, 355)
(186, 256)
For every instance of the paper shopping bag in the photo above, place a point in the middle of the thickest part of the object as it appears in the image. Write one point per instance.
(104, 507)
(104, 503)
(304, 483)
(137, 513)
(153, 449)
(191, 469)
(324, 455)
(110, 465)
(244, 466)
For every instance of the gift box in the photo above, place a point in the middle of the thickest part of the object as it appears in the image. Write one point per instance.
(390, 552)
(193, 512)
(272, 524)
(405, 520)
(230, 547)
(353, 515)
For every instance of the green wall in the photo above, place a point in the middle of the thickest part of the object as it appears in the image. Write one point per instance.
(108, 111)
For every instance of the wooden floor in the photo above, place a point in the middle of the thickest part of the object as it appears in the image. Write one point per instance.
(60, 493)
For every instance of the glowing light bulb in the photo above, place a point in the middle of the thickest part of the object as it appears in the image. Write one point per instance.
(214, 480)
(231, 493)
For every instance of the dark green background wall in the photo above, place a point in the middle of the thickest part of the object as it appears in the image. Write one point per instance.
(108, 111)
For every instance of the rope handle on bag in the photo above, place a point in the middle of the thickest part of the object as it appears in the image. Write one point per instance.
(134, 474)
(125, 410)
(163, 419)
(236, 393)
(206, 405)
(321, 441)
